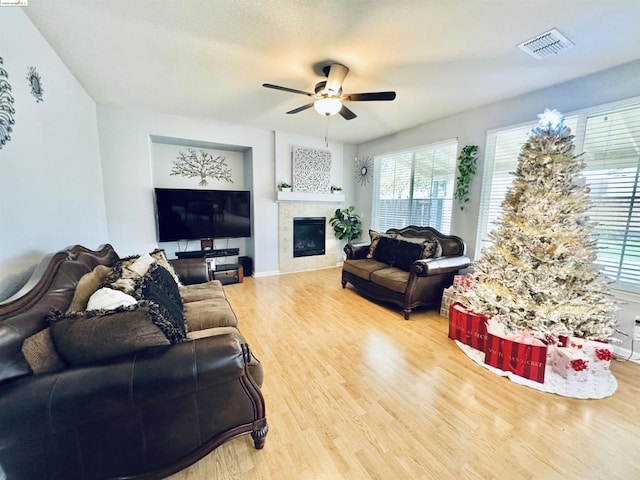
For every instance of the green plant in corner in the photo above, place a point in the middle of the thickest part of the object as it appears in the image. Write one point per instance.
(346, 224)
(467, 164)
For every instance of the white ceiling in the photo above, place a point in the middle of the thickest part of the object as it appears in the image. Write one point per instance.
(209, 58)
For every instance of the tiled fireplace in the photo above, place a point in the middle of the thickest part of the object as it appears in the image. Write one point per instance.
(287, 211)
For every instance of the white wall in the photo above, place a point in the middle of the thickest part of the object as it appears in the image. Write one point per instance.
(284, 145)
(51, 193)
(342, 166)
(471, 128)
(126, 149)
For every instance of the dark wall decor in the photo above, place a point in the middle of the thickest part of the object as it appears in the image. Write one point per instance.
(35, 82)
(203, 165)
(6, 106)
(364, 170)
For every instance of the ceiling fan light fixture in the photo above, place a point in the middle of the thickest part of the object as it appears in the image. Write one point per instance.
(327, 106)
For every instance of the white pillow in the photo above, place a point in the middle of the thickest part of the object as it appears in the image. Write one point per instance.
(142, 264)
(109, 299)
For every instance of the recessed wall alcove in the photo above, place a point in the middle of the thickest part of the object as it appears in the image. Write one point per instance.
(163, 152)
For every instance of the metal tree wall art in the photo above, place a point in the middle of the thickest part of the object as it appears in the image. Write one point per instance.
(202, 164)
(6, 106)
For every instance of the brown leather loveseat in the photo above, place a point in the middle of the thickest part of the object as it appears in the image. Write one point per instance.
(408, 267)
(143, 414)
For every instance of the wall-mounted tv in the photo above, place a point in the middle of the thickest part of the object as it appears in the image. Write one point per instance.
(196, 214)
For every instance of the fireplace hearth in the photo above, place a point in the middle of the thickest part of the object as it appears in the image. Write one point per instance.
(309, 236)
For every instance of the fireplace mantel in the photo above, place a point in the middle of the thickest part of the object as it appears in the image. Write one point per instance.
(309, 197)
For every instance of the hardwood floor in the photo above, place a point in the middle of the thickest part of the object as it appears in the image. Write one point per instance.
(354, 391)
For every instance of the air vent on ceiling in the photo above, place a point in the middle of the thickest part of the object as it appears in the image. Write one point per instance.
(545, 44)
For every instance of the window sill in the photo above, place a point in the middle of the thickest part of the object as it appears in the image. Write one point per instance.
(626, 296)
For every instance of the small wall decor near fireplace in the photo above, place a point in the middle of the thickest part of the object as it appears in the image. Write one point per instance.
(308, 236)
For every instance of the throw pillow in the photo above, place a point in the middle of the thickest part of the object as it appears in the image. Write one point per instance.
(87, 285)
(385, 251)
(142, 264)
(109, 299)
(161, 259)
(431, 246)
(375, 239)
(163, 278)
(173, 324)
(41, 353)
(431, 249)
(86, 337)
(407, 253)
(121, 278)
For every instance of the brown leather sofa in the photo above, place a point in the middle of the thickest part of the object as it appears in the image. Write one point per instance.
(145, 414)
(403, 274)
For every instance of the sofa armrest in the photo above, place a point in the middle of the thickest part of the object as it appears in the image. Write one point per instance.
(40, 405)
(191, 270)
(438, 266)
(356, 251)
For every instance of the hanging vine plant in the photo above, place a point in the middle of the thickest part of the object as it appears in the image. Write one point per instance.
(467, 165)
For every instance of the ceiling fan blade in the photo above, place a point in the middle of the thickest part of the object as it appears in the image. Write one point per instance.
(346, 113)
(300, 109)
(287, 89)
(337, 74)
(369, 97)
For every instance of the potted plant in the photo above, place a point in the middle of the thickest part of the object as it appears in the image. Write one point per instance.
(346, 224)
(284, 187)
(466, 170)
(335, 189)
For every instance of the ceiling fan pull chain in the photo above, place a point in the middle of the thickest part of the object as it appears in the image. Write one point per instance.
(326, 132)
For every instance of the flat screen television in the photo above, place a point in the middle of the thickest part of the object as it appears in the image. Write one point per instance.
(196, 214)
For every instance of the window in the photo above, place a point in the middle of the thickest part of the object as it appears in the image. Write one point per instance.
(415, 188)
(609, 136)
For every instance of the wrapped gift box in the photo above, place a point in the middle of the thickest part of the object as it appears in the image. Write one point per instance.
(449, 297)
(571, 363)
(524, 355)
(461, 281)
(598, 356)
(467, 327)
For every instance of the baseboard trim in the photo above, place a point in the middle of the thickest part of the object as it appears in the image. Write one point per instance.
(624, 354)
(271, 273)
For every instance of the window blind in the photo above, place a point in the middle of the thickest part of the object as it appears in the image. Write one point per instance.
(610, 140)
(415, 188)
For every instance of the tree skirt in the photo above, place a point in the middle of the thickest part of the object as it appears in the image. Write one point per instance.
(595, 387)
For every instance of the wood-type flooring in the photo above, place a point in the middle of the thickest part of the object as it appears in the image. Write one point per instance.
(354, 391)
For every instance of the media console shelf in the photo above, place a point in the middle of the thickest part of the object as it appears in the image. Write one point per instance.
(227, 273)
(213, 253)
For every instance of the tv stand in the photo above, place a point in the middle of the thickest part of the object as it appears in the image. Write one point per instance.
(214, 253)
(226, 272)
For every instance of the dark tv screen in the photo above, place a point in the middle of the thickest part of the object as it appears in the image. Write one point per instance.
(197, 214)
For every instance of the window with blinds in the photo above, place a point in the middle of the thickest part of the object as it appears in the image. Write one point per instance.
(415, 188)
(610, 140)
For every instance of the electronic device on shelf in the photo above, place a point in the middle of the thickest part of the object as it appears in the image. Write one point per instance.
(184, 214)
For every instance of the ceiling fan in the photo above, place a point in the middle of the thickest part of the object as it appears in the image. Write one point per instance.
(328, 96)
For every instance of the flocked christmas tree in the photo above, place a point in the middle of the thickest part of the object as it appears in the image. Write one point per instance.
(538, 274)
